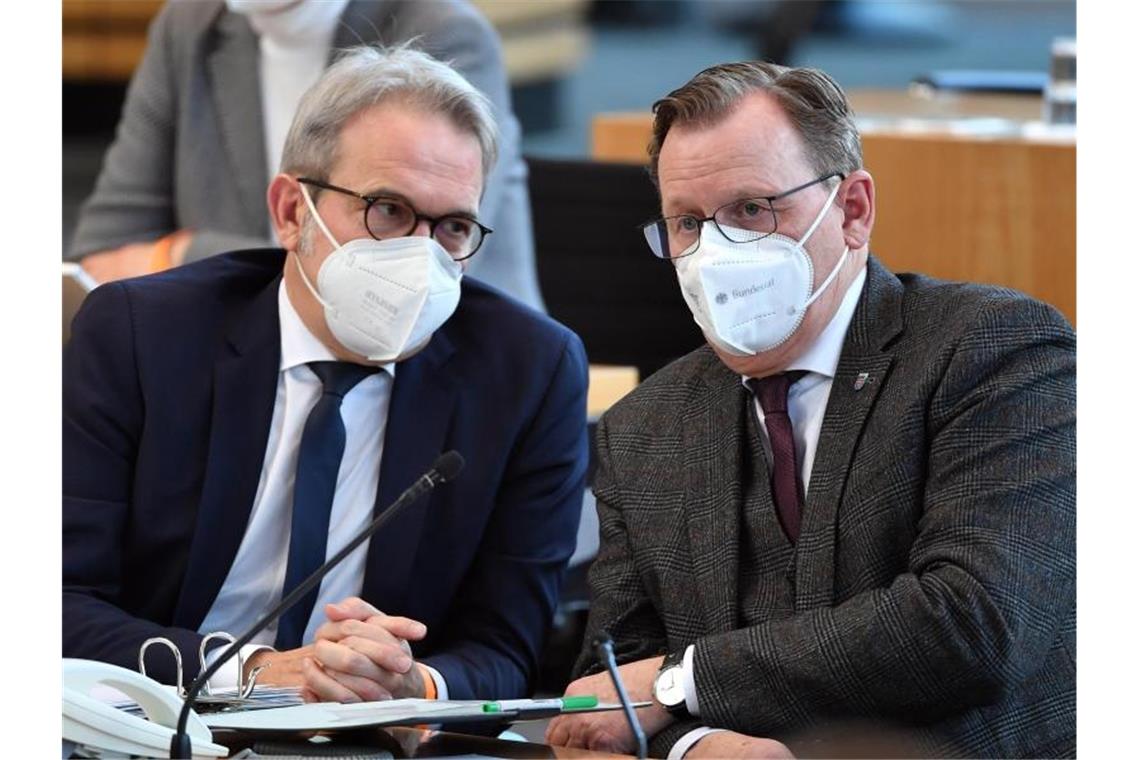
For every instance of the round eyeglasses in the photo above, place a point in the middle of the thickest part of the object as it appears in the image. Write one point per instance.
(744, 221)
(389, 217)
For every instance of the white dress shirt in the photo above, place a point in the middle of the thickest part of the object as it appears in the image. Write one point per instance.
(254, 582)
(807, 402)
(294, 46)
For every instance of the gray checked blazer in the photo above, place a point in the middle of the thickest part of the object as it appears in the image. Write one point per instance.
(935, 571)
(190, 148)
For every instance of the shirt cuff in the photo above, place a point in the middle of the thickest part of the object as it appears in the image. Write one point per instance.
(227, 676)
(689, 683)
(686, 742)
(437, 677)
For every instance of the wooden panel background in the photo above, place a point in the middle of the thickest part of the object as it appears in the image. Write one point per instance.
(995, 211)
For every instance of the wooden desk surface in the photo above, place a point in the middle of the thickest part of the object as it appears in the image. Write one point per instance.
(952, 205)
(623, 137)
(608, 384)
(950, 105)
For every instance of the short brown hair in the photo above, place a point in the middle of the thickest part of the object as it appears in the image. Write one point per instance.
(813, 101)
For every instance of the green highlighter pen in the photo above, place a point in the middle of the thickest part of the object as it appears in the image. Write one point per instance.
(531, 707)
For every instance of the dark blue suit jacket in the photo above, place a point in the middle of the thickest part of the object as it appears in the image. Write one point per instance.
(168, 392)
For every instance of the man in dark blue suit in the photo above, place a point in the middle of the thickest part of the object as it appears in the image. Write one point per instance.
(229, 424)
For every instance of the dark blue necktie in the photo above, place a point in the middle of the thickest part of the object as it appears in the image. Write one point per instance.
(318, 462)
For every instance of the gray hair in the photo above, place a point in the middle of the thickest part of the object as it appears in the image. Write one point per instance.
(365, 76)
(812, 100)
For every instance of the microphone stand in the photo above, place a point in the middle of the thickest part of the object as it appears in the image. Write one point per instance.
(446, 467)
(604, 650)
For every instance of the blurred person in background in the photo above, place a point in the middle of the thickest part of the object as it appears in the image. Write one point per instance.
(206, 115)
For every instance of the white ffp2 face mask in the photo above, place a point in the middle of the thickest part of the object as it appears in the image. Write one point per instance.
(751, 297)
(384, 299)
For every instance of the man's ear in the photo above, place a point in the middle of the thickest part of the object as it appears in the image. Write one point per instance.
(857, 199)
(285, 209)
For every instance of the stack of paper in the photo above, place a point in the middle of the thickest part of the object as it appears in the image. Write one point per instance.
(262, 697)
(325, 716)
(321, 716)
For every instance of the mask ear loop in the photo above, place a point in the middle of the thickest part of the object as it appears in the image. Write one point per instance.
(839, 264)
(325, 230)
(321, 222)
(823, 285)
(822, 213)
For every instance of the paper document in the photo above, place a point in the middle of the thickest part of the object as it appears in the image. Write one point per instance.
(323, 716)
(330, 715)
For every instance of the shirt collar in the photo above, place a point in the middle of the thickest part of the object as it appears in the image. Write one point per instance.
(822, 356)
(299, 345)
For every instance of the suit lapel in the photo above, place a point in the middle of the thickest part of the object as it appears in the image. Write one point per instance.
(713, 456)
(863, 368)
(232, 64)
(245, 390)
(419, 418)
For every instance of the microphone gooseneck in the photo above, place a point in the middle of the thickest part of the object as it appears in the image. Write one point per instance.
(604, 650)
(445, 468)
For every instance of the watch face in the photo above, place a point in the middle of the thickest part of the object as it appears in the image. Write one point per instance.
(668, 688)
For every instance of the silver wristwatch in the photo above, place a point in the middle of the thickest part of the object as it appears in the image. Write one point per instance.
(669, 686)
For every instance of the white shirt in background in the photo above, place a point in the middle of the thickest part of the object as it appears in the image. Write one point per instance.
(294, 46)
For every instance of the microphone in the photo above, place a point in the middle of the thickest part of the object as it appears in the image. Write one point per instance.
(444, 469)
(604, 650)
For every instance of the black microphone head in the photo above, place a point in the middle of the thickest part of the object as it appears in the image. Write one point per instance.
(448, 465)
(602, 640)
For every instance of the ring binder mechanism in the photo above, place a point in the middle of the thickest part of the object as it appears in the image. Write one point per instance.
(242, 696)
(177, 661)
(243, 690)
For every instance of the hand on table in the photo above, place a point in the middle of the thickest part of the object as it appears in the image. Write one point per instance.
(609, 731)
(281, 668)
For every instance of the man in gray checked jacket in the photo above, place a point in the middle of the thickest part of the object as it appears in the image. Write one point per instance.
(847, 524)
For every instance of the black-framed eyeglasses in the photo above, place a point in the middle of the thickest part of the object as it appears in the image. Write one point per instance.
(742, 221)
(389, 217)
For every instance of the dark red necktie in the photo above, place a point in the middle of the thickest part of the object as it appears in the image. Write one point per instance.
(787, 487)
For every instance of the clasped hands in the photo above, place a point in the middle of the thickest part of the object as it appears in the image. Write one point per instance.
(358, 655)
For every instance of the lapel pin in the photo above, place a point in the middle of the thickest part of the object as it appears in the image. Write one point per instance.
(861, 380)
